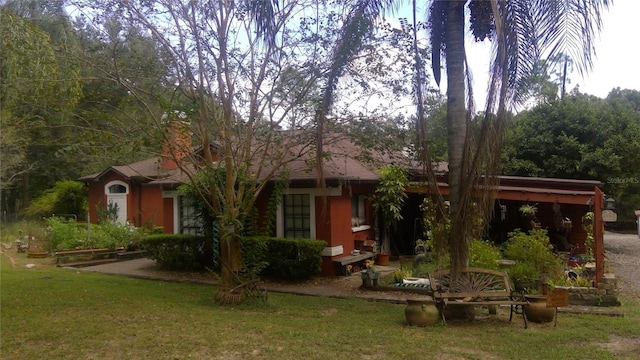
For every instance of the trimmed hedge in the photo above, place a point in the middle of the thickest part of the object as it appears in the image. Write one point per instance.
(179, 251)
(288, 259)
(293, 259)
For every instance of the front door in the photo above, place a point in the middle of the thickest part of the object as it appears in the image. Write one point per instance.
(118, 205)
(117, 192)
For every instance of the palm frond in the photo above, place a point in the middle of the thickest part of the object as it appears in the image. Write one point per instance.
(568, 27)
(263, 11)
(359, 24)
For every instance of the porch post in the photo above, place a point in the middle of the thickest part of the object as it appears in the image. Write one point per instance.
(598, 233)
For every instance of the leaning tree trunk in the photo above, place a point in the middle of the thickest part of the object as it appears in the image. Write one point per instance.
(457, 130)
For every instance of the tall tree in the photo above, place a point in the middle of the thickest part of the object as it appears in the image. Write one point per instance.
(581, 137)
(39, 87)
(240, 71)
(522, 32)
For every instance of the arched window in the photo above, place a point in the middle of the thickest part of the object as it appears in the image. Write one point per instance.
(117, 189)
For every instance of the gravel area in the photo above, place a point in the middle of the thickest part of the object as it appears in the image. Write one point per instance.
(622, 252)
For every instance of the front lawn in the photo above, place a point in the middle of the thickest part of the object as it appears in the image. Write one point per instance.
(56, 313)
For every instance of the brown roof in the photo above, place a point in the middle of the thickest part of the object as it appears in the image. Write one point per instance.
(344, 160)
(148, 169)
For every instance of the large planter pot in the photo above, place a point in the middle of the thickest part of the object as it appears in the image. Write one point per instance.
(537, 310)
(421, 312)
(382, 259)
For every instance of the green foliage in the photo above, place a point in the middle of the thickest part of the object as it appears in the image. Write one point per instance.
(587, 226)
(565, 281)
(581, 137)
(422, 270)
(484, 254)
(294, 259)
(533, 254)
(254, 256)
(524, 276)
(179, 251)
(391, 192)
(69, 235)
(66, 197)
(275, 198)
(401, 274)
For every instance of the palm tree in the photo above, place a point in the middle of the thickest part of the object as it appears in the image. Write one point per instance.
(522, 31)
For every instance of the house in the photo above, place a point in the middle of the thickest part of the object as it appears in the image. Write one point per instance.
(145, 193)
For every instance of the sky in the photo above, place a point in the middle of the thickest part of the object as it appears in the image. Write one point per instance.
(615, 65)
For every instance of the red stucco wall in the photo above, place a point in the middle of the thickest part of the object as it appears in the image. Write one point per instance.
(333, 224)
(145, 205)
(149, 201)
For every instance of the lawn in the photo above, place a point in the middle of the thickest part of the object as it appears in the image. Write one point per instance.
(54, 313)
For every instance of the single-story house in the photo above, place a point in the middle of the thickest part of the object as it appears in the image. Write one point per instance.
(145, 193)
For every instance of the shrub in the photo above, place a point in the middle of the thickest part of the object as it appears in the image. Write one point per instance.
(66, 197)
(483, 254)
(294, 259)
(400, 274)
(254, 255)
(179, 251)
(65, 235)
(532, 251)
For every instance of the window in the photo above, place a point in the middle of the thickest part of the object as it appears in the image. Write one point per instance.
(297, 216)
(117, 192)
(189, 219)
(117, 189)
(358, 210)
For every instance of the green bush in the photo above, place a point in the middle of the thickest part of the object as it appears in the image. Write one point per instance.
(530, 251)
(179, 251)
(66, 235)
(400, 274)
(483, 254)
(66, 197)
(254, 255)
(294, 259)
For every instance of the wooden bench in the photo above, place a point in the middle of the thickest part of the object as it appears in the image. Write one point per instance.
(343, 261)
(476, 287)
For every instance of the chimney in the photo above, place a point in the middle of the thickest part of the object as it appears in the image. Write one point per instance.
(177, 143)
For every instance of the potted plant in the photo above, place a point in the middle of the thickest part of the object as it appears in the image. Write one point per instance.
(534, 257)
(523, 275)
(529, 211)
(387, 201)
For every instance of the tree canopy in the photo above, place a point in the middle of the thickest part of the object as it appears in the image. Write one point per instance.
(581, 137)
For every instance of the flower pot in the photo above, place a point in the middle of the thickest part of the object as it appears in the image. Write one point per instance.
(37, 254)
(421, 312)
(382, 259)
(537, 310)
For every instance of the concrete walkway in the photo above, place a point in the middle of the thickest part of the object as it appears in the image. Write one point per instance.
(623, 252)
(146, 269)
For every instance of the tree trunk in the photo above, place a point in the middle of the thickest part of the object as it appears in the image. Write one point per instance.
(457, 126)
(230, 256)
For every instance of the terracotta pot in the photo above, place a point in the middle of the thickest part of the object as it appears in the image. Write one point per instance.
(382, 259)
(37, 254)
(421, 312)
(537, 310)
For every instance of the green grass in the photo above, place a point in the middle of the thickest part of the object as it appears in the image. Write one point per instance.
(58, 313)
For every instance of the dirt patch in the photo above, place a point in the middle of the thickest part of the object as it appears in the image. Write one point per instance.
(623, 347)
